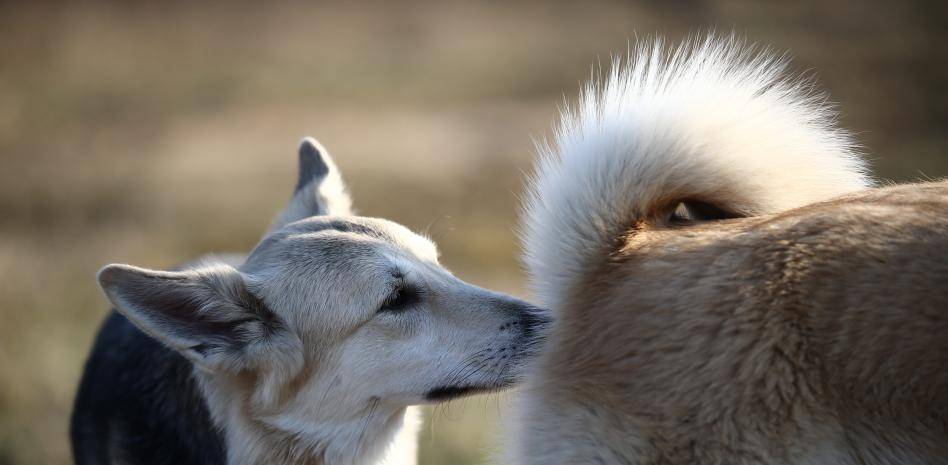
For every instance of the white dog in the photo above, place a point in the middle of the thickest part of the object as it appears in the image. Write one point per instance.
(309, 352)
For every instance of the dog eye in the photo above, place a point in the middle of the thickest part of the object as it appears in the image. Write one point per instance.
(401, 298)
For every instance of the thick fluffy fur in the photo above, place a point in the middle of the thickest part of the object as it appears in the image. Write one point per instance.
(312, 350)
(709, 123)
(725, 290)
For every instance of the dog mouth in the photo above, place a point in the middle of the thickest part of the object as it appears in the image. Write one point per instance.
(508, 361)
(445, 393)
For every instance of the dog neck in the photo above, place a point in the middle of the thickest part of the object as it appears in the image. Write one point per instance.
(371, 432)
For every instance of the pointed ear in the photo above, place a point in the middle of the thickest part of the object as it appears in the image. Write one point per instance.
(207, 315)
(319, 189)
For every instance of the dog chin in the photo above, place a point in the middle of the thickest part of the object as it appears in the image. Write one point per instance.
(451, 392)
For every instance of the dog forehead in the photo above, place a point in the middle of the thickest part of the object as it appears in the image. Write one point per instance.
(377, 228)
(342, 238)
(404, 238)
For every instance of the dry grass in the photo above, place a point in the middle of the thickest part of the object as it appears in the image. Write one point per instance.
(153, 134)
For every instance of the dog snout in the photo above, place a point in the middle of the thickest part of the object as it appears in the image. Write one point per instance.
(528, 319)
(533, 321)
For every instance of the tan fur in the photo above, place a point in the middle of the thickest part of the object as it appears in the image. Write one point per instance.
(816, 335)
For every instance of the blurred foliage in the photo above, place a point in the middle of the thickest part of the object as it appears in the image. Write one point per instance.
(151, 133)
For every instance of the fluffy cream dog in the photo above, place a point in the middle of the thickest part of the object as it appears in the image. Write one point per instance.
(727, 289)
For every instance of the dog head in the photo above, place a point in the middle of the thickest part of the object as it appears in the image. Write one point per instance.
(331, 311)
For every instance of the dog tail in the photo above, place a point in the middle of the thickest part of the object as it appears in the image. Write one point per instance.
(711, 129)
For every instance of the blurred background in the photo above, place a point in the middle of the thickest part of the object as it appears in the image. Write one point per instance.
(150, 133)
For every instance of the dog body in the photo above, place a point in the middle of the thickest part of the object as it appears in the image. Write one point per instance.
(725, 288)
(309, 351)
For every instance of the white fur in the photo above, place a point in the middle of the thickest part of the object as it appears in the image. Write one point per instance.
(337, 364)
(327, 196)
(711, 120)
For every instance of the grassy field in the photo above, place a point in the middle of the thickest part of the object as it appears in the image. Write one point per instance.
(150, 134)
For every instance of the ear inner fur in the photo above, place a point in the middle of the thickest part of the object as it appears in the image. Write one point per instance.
(208, 314)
